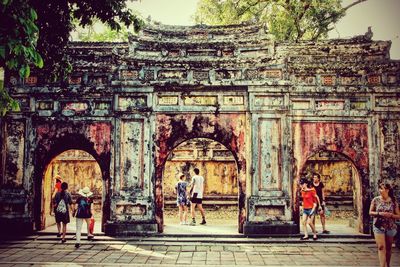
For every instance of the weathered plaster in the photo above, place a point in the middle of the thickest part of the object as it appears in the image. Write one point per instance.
(271, 104)
(349, 139)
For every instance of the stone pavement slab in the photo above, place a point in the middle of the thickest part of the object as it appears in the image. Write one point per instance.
(129, 253)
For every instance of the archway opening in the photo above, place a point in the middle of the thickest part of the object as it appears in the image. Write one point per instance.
(218, 167)
(342, 188)
(79, 169)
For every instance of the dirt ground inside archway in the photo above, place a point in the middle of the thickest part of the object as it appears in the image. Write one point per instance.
(223, 220)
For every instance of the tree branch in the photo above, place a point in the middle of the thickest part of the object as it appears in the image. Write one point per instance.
(353, 4)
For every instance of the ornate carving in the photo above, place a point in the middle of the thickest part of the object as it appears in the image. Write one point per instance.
(374, 79)
(201, 100)
(130, 103)
(74, 80)
(31, 80)
(168, 100)
(130, 74)
(326, 105)
(200, 75)
(328, 80)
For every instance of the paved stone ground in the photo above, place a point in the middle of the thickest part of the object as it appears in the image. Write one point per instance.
(142, 252)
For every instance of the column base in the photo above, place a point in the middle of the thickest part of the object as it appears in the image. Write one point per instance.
(270, 229)
(132, 228)
(16, 226)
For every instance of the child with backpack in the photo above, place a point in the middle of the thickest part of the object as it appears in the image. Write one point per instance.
(84, 212)
(62, 203)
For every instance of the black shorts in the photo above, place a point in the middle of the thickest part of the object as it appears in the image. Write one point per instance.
(196, 200)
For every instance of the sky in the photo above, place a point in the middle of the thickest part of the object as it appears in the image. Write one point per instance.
(382, 15)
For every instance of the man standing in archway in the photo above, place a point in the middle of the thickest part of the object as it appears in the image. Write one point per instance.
(197, 189)
(319, 187)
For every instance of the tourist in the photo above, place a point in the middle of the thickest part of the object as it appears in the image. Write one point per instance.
(385, 211)
(310, 201)
(319, 188)
(56, 189)
(197, 188)
(84, 212)
(62, 203)
(181, 198)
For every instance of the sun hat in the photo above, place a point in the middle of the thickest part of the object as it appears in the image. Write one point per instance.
(85, 192)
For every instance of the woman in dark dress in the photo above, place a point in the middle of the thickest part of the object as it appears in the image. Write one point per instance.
(62, 204)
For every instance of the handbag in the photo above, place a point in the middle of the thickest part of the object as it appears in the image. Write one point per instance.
(91, 226)
(327, 211)
(378, 223)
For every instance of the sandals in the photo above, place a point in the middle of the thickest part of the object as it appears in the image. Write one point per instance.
(63, 240)
(315, 238)
(304, 238)
(326, 232)
(90, 237)
(59, 235)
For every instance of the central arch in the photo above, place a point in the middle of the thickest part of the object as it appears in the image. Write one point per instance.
(173, 129)
(219, 168)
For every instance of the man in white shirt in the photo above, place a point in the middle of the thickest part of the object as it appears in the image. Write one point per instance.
(197, 189)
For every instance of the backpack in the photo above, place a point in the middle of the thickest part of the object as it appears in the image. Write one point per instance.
(61, 207)
(83, 208)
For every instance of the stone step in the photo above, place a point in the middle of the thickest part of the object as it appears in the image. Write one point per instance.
(175, 240)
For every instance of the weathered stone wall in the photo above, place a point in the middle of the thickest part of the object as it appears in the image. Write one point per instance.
(272, 105)
(216, 164)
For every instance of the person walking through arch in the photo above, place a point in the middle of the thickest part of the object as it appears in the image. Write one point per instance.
(84, 212)
(385, 210)
(319, 188)
(181, 198)
(310, 201)
(62, 203)
(56, 189)
(197, 189)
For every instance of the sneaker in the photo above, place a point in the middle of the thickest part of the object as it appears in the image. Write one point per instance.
(193, 222)
(203, 222)
(58, 235)
(326, 232)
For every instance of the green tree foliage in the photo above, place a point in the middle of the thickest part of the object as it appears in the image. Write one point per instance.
(18, 38)
(287, 20)
(55, 21)
(36, 32)
(99, 32)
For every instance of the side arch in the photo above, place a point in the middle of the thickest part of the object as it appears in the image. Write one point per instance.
(356, 188)
(347, 138)
(55, 138)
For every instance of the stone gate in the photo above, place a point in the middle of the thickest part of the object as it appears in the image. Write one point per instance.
(273, 105)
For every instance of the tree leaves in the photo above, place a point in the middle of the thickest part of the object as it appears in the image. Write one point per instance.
(36, 33)
(287, 20)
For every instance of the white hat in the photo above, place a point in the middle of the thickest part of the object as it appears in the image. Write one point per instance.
(85, 192)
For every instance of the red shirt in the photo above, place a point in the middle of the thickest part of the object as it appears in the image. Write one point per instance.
(58, 187)
(309, 198)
